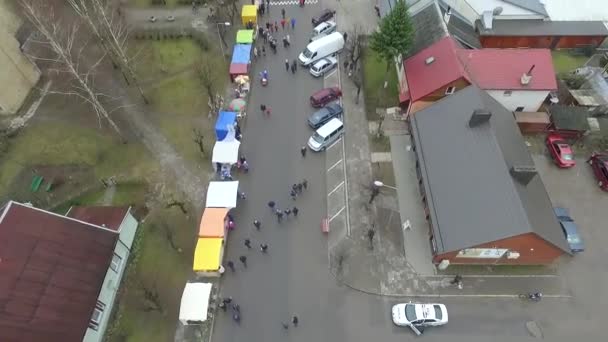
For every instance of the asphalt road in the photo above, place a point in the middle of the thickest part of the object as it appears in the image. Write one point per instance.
(294, 278)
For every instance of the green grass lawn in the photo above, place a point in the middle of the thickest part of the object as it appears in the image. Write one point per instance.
(159, 267)
(563, 61)
(374, 71)
(157, 58)
(127, 194)
(59, 143)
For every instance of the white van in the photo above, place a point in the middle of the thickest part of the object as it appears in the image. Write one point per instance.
(326, 135)
(322, 47)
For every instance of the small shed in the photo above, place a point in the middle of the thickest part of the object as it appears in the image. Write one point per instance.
(249, 13)
(225, 126)
(222, 194)
(569, 121)
(532, 122)
(195, 303)
(245, 36)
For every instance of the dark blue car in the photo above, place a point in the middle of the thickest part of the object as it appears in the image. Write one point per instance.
(570, 230)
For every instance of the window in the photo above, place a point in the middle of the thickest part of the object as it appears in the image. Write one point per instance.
(97, 315)
(116, 262)
(519, 109)
(450, 90)
(508, 93)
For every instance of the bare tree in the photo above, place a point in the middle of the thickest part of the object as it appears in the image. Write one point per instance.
(208, 71)
(106, 23)
(356, 47)
(199, 140)
(61, 39)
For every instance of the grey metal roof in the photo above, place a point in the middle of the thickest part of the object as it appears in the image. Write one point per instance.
(531, 5)
(461, 29)
(472, 197)
(527, 27)
(570, 117)
(429, 28)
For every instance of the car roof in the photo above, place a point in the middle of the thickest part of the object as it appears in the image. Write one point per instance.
(323, 40)
(329, 127)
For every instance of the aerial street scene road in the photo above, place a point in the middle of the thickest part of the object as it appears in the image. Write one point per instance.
(303, 170)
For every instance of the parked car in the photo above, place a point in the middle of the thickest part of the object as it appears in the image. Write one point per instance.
(318, 118)
(325, 96)
(323, 16)
(417, 316)
(570, 230)
(323, 29)
(326, 135)
(599, 164)
(560, 150)
(323, 66)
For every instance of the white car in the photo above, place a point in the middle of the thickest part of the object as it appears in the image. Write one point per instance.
(323, 66)
(418, 316)
(323, 29)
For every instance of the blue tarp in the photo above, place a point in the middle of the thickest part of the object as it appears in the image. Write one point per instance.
(241, 54)
(224, 125)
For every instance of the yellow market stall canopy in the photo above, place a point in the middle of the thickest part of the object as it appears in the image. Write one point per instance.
(208, 256)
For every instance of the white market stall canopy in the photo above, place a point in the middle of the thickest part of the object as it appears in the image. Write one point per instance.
(195, 302)
(222, 194)
(226, 152)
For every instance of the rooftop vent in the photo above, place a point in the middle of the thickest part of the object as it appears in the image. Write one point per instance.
(429, 60)
(479, 116)
(527, 77)
(523, 174)
(486, 19)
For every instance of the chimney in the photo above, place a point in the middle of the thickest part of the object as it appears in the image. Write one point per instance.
(447, 15)
(523, 174)
(527, 77)
(429, 60)
(479, 116)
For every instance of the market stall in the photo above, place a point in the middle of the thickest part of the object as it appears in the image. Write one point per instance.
(222, 194)
(195, 303)
(225, 126)
(245, 36)
(249, 14)
(208, 257)
(213, 223)
(241, 60)
(225, 153)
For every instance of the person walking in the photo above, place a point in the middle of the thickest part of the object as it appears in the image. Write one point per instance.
(263, 108)
(231, 266)
(243, 260)
(293, 69)
(267, 26)
(303, 151)
(283, 12)
(255, 52)
(370, 235)
(345, 36)
(295, 64)
(305, 184)
(242, 195)
(268, 111)
(248, 243)
(293, 23)
(283, 22)
(285, 325)
(295, 211)
(263, 51)
(279, 215)
(300, 187)
(287, 64)
(257, 224)
(271, 205)
(276, 26)
(264, 248)
(293, 194)
(287, 212)
(295, 320)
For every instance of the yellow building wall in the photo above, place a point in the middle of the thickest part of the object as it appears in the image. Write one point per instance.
(17, 74)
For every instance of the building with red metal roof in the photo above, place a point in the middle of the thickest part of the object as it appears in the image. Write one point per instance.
(519, 79)
(56, 271)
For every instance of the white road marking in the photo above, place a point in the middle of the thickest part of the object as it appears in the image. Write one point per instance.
(336, 188)
(331, 74)
(334, 144)
(336, 164)
(292, 2)
(338, 213)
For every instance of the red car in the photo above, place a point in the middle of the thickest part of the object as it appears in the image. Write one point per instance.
(599, 164)
(560, 150)
(325, 96)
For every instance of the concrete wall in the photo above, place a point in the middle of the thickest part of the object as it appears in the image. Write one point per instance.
(111, 282)
(531, 100)
(15, 69)
(531, 248)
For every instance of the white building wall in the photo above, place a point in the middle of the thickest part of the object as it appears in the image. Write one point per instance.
(531, 100)
(113, 278)
(471, 10)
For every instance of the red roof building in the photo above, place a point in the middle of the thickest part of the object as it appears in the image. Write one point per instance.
(520, 79)
(52, 269)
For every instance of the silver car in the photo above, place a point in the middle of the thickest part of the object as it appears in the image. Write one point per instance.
(324, 65)
(323, 29)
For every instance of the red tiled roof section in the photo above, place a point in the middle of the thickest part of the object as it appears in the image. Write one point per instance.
(51, 272)
(501, 69)
(108, 217)
(424, 78)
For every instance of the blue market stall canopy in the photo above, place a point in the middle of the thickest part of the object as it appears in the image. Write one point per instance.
(224, 125)
(241, 54)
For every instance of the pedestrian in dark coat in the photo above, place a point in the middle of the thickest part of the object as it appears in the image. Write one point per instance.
(283, 12)
(263, 108)
(345, 36)
(264, 248)
(261, 31)
(279, 215)
(293, 69)
(287, 64)
(285, 325)
(276, 26)
(303, 151)
(305, 184)
(293, 194)
(231, 266)
(243, 259)
(300, 186)
(295, 211)
(257, 224)
(248, 243)
(295, 321)
(287, 212)
(268, 26)
(294, 63)
(271, 205)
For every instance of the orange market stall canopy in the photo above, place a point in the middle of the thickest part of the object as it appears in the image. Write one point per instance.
(213, 223)
(208, 256)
